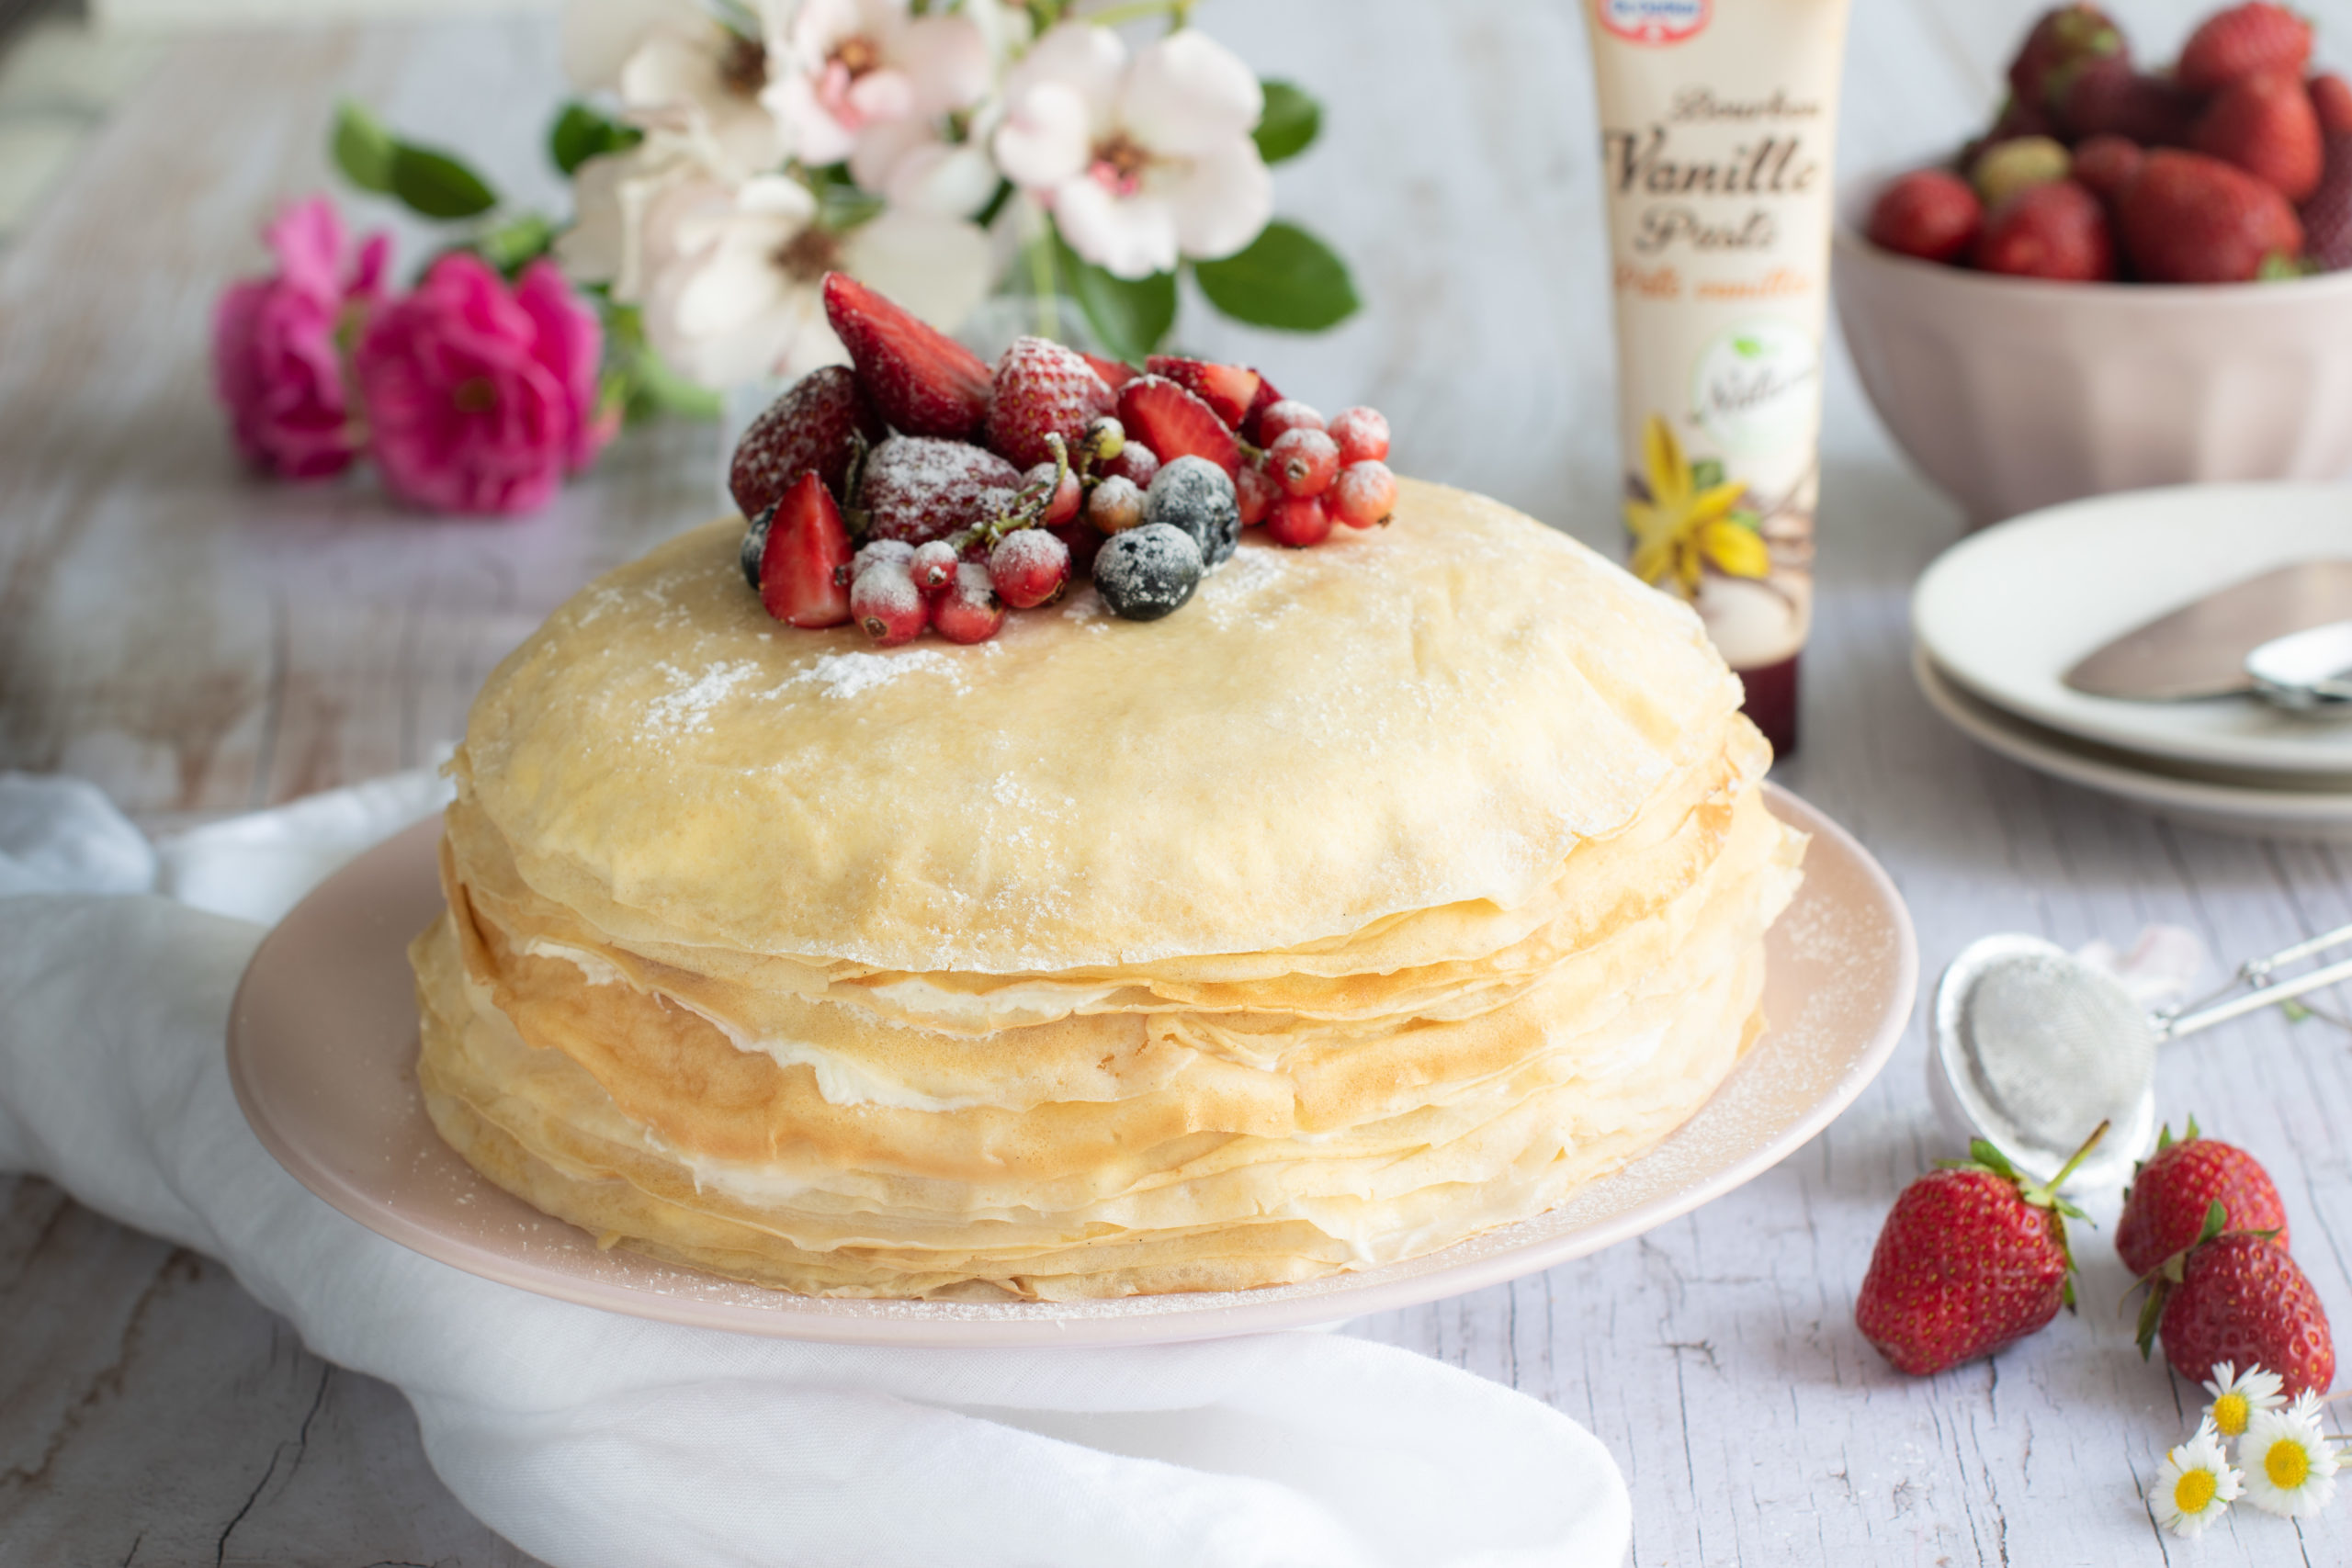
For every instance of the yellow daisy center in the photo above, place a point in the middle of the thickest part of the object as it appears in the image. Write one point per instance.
(2193, 1490)
(2229, 1413)
(2287, 1464)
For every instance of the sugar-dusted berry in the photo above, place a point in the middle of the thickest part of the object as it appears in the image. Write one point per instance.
(1299, 521)
(1285, 417)
(1115, 506)
(804, 547)
(1304, 461)
(880, 552)
(971, 610)
(1135, 463)
(1363, 435)
(1145, 573)
(1256, 491)
(1067, 498)
(1364, 496)
(1193, 494)
(933, 565)
(886, 604)
(1030, 567)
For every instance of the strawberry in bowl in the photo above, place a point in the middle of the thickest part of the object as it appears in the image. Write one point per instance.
(2137, 277)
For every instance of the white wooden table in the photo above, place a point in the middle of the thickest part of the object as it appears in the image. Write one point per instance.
(198, 643)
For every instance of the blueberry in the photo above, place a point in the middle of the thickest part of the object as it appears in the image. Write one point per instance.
(1146, 572)
(755, 544)
(1197, 496)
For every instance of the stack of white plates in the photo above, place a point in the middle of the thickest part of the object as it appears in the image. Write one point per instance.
(2002, 616)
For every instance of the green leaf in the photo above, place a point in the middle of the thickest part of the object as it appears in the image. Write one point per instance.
(1706, 473)
(1287, 126)
(580, 133)
(517, 242)
(1130, 315)
(439, 185)
(363, 149)
(1285, 279)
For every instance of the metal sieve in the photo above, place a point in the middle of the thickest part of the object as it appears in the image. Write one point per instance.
(2030, 1048)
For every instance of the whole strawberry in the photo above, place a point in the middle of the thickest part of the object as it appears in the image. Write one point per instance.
(2164, 1209)
(2185, 217)
(2105, 164)
(920, 488)
(2057, 232)
(2327, 216)
(817, 424)
(2265, 125)
(2239, 42)
(2332, 101)
(2060, 43)
(1974, 1257)
(1928, 213)
(2107, 97)
(2238, 1297)
(1042, 388)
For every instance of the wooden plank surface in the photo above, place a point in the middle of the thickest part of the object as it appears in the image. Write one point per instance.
(200, 643)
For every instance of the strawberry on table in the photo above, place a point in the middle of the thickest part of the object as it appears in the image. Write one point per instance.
(804, 551)
(2241, 41)
(2187, 218)
(1042, 388)
(1229, 390)
(817, 424)
(2264, 125)
(1972, 1258)
(2057, 232)
(919, 378)
(1930, 213)
(1174, 423)
(2237, 1296)
(2165, 1208)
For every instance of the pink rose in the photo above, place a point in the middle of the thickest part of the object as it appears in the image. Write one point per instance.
(276, 361)
(479, 397)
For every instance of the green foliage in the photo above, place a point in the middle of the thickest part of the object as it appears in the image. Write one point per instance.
(1289, 124)
(1130, 316)
(427, 180)
(362, 148)
(580, 133)
(1285, 278)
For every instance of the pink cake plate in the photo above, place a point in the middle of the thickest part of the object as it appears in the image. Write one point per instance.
(322, 1042)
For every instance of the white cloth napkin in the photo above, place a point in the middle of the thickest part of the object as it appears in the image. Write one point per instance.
(594, 1440)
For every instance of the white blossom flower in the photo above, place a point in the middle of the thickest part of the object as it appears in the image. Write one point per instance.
(2290, 1462)
(1141, 160)
(2196, 1484)
(851, 67)
(738, 298)
(2237, 1398)
(628, 209)
(678, 68)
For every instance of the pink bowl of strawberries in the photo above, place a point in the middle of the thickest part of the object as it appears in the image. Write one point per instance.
(2136, 277)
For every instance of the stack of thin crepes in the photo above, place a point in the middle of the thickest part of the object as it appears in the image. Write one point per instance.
(1388, 892)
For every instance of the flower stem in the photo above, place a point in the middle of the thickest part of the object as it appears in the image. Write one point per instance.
(1041, 275)
(1137, 10)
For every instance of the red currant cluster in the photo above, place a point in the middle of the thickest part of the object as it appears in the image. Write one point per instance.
(1312, 475)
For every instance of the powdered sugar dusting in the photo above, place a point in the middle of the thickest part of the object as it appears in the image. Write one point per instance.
(842, 676)
(686, 708)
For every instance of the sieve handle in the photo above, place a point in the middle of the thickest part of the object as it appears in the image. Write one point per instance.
(2258, 969)
(2285, 990)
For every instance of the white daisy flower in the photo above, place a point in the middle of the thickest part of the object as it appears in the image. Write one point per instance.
(2237, 1398)
(2290, 1462)
(2196, 1486)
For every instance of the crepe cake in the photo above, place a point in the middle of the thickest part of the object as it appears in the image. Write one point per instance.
(1389, 893)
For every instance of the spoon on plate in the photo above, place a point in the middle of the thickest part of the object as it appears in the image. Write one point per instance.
(2308, 672)
(2030, 1047)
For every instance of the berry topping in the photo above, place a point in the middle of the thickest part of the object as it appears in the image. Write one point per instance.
(1365, 494)
(2057, 231)
(1115, 506)
(2185, 217)
(2265, 125)
(1304, 461)
(1135, 462)
(818, 424)
(2242, 41)
(1253, 422)
(886, 604)
(1066, 496)
(1083, 544)
(1116, 373)
(922, 381)
(1041, 389)
(1930, 213)
(1257, 492)
(877, 552)
(754, 546)
(1285, 417)
(1174, 423)
(1146, 572)
(1030, 567)
(1229, 390)
(1363, 435)
(919, 488)
(933, 565)
(971, 610)
(805, 549)
(1299, 521)
(1194, 494)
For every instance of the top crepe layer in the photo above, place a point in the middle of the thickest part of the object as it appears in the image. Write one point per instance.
(1433, 714)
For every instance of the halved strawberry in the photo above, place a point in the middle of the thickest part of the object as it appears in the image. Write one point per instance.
(1230, 389)
(1116, 373)
(1266, 397)
(922, 380)
(1174, 423)
(801, 578)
